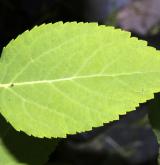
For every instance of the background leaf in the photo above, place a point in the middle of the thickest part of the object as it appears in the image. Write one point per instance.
(154, 115)
(65, 78)
(17, 148)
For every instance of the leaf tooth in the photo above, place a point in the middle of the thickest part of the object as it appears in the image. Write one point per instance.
(143, 43)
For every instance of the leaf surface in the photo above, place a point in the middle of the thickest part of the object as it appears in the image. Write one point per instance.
(60, 79)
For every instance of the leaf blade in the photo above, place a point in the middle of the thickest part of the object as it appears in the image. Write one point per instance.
(62, 74)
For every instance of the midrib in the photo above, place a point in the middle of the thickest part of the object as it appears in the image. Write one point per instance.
(11, 84)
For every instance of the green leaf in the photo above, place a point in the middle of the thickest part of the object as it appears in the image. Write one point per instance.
(18, 148)
(61, 79)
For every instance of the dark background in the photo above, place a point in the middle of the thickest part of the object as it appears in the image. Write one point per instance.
(129, 141)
